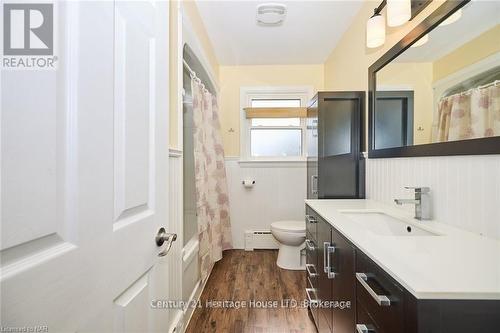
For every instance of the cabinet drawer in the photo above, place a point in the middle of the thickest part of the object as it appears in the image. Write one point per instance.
(312, 297)
(380, 295)
(311, 223)
(365, 323)
(311, 260)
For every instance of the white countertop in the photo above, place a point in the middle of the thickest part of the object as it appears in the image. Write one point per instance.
(455, 265)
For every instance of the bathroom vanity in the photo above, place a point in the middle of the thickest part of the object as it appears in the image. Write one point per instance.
(399, 274)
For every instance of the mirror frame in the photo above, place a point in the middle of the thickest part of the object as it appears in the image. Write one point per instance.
(480, 146)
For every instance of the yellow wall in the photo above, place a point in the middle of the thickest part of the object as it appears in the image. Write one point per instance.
(232, 78)
(477, 49)
(191, 11)
(418, 77)
(347, 66)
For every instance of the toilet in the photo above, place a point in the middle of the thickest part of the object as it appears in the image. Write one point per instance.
(291, 236)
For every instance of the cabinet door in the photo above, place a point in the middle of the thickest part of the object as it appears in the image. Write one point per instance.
(342, 262)
(325, 316)
(339, 144)
(312, 150)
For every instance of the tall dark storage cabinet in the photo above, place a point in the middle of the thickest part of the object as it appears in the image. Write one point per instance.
(335, 165)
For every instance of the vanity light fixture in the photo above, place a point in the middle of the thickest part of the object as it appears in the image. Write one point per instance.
(398, 12)
(375, 31)
(423, 40)
(452, 19)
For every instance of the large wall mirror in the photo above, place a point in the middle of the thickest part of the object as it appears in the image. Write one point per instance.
(437, 92)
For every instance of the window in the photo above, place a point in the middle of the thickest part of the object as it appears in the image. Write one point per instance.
(273, 138)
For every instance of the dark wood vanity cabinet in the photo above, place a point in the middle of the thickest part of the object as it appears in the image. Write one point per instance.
(333, 258)
(381, 298)
(324, 289)
(312, 261)
(337, 271)
(402, 312)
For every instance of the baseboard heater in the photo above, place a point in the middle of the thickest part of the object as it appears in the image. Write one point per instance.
(260, 239)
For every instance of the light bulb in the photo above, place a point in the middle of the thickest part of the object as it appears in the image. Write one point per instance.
(424, 39)
(375, 31)
(452, 19)
(398, 12)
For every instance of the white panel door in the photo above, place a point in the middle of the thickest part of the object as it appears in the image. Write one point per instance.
(84, 168)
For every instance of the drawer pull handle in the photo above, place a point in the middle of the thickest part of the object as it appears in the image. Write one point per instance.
(381, 300)
(310, 219)
(362, 328)
(310, 245)
(327, 251)
(310, 267)
(311, 301)
(314, 184)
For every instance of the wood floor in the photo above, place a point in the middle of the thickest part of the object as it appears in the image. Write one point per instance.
(246, 276)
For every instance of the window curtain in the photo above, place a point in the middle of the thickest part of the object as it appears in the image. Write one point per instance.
(212, 202)
(469, 115)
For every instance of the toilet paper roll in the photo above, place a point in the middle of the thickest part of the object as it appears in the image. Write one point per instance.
(248, 183)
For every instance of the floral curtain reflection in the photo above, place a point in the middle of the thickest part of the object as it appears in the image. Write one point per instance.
(469, 115)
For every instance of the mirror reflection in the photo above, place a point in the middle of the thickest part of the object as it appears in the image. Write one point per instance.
(446, 86)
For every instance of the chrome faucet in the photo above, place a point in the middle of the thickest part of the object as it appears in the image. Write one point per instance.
(422, 202)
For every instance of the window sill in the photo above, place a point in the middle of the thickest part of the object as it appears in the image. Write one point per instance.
(273, 163)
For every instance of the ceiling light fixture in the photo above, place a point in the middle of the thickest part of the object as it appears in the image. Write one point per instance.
(398, 12)
(271, 14)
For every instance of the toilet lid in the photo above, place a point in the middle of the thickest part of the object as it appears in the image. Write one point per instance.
(289, 226)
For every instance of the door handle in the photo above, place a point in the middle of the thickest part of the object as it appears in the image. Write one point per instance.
(310, 219)
(309, 268)
(381, 300)
(314, 184)
(329, 250)
(161, 237)
(362, 328)
(310, 245)
(326, 266)
(312, 301)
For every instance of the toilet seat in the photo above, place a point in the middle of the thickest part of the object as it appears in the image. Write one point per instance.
(289, 226)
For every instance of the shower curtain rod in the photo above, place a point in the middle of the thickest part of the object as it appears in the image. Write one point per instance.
(188, 68)
(193, 75)
(494, 83)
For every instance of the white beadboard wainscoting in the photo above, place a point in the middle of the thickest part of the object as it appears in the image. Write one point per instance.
(278, 194)
(465, 190)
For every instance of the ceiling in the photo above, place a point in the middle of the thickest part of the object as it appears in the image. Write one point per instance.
(310, 31)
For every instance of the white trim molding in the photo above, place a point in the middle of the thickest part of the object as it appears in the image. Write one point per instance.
(175, 225)
(272, 92)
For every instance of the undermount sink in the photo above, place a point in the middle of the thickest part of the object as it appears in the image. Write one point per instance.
(386, 225)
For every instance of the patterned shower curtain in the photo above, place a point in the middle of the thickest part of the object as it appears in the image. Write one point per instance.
(468, 115)
(212, 203)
